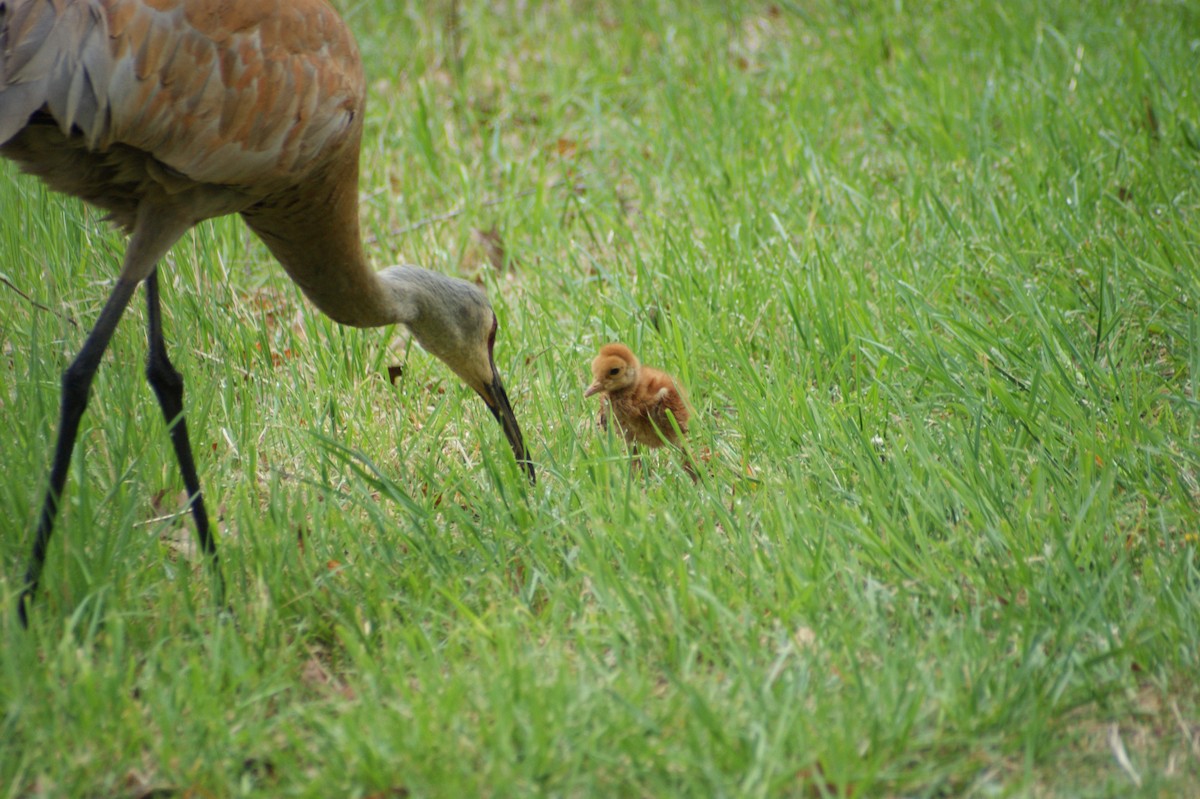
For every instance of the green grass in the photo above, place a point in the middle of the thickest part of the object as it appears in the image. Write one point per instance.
(931, 278)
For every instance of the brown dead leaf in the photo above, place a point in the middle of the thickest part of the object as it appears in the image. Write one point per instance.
(142, 786)
(490, 246)
(818, 784)
(516, 574)
(1151, 119)
(277, 357)
(166, 503)
(315, 675)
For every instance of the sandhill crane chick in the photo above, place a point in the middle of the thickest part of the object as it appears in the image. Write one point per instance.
(638, 397)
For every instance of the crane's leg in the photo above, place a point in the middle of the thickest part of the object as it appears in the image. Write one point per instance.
(76, 386)
(159, 224)
(168, 387)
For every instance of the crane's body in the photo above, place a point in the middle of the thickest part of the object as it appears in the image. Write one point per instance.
(165, 113)
(209, 107)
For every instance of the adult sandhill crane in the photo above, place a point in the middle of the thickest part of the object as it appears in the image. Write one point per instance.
(165, 113)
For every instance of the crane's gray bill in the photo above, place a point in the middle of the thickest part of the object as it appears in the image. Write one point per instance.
(497, 402)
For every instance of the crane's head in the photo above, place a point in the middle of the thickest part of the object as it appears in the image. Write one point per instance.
(452, 319)
(614, 369)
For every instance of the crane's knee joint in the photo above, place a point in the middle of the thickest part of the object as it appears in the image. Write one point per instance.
(163, 376)
(76, 385)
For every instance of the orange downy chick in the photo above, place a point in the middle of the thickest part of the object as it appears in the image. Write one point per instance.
(639, 398)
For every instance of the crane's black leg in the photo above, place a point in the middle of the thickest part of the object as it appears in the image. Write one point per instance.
(168, 387)
(76, 386)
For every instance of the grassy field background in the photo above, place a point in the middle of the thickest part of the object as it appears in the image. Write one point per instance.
(930, 275)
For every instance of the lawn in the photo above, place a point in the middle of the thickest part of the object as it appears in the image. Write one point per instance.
(931, 278)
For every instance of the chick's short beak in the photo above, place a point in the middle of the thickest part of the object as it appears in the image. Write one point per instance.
(594, 388)
(497, 401)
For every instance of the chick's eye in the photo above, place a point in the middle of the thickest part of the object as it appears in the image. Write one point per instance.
(615, 370)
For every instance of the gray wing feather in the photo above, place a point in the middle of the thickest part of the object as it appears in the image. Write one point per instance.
(54, 55)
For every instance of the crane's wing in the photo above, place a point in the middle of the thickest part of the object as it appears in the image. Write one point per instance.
(234, 93)
(667, 398)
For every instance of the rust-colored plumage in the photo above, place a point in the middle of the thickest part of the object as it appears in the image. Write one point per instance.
(165, 113)
(642, 401)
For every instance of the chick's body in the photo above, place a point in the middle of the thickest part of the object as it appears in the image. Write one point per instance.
(638, 398)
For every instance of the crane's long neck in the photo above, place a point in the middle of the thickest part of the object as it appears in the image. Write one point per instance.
(314, 232)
